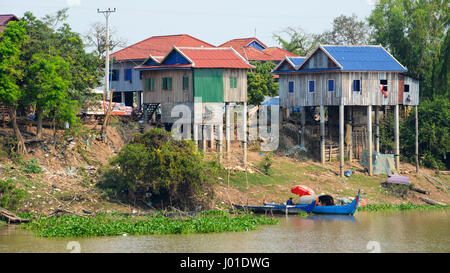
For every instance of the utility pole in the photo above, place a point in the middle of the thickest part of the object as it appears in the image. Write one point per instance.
(107, 13)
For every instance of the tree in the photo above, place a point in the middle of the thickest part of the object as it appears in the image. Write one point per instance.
(260, 83)
(298, 41)
(47, 47)
(96, 38)
(348, 30)
(415, 33)
(11, 73)
(48, 83)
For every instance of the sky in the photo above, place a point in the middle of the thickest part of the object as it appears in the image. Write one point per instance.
(212, 21)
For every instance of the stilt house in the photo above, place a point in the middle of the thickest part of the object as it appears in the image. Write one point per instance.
(346, 80)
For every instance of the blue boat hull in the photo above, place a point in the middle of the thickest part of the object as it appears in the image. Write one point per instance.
(278, 209)
(349, 209)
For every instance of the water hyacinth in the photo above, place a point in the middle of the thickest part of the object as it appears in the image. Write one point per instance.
(401, 207)
(116, 225)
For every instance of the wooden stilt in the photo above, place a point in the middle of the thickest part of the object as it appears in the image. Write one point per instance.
(369, 137)
(302, 121)
(377, 129)
(322, 134)
(397, 138)
(204, 134)
(212, 137)
(341, 140)
(349, 133)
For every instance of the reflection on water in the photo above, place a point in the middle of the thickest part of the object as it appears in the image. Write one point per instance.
(395, 232)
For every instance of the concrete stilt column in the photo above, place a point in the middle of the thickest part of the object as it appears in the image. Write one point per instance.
(369, 137)
(195, 135)
(212, 136)
(244, 135)
(228, 129)
(138, 99)
(341, 140)
(322, 134)
(220, 140)
(397, 138)
(122, 97)
(204, 136)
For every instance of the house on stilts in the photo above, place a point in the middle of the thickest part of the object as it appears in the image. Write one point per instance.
(349, 83)
(193, 77)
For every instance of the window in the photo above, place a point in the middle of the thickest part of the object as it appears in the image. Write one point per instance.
(140, 74)
(185, 82)
(406, 90)
(357, 85)
(127, 74)
(330, 85)
(385, 84)
(115, 75)
(150, 84)
(167, 83)
(291, 87)
(312, 86)
(233, 82)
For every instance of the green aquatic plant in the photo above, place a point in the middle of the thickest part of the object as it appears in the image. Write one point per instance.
(111, 225)
(401, 207)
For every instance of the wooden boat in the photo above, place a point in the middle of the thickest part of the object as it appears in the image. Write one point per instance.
(348, 209)
(278, 209)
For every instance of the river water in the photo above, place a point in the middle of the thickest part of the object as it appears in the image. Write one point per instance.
(411, 231)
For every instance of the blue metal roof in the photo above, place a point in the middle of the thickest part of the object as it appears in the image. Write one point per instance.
(297, 60)
(364, 58)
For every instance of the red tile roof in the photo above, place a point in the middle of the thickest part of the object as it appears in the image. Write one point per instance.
(209, 58)
(157, 46)
(5, 18)
(241, 42)
(279, 53)
(252, 54)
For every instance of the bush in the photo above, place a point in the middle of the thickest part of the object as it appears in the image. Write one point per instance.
(434, 135)
(32, 166)
(171, 170)
(265, 164)
(10, 196)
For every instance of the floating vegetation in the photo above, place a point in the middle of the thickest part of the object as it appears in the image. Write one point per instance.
(401, 207)
(113, 225)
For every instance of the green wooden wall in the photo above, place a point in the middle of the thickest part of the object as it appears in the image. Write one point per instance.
(208, 84)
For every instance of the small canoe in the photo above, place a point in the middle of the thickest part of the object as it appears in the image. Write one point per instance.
(348, 209)
(278, 209)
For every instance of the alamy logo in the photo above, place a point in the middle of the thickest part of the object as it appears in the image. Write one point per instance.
(207, 121)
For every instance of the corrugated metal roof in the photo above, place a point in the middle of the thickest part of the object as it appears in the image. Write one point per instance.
(206, 58)
(297, 60)
(363, 58)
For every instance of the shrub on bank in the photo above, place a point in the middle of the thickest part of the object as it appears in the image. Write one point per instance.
(154, 168)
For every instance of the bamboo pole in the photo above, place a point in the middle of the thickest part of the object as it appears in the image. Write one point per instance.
(417, 138)
(369, 137)
(341, 140)
(397, 138)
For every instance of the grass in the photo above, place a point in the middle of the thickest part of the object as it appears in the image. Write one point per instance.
(114, 225)
(401, 207)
